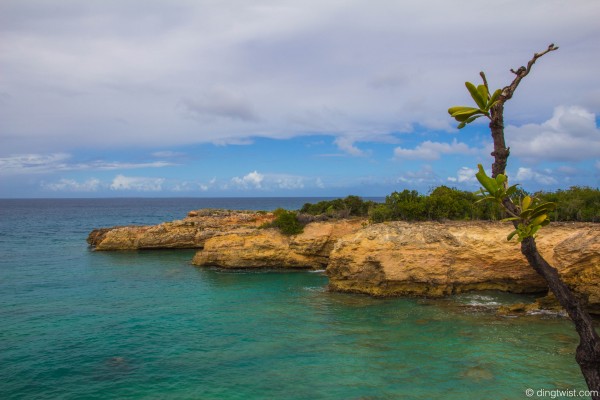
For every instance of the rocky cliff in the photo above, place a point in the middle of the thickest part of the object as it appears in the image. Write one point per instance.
(190, 232)
(251, 248)
(435, 259)
(417, 259)
(397, 258)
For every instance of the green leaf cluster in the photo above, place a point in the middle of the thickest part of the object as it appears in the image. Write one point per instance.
(494, 188)
(483, 100)
(531, 214)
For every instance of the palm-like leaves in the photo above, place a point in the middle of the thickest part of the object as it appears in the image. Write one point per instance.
(484, 101)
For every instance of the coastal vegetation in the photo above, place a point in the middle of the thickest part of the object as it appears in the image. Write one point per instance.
(286, 221)
(576, 204)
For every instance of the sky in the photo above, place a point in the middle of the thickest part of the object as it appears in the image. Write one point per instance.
(262, 98)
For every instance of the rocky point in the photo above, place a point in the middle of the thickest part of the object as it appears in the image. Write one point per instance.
(386, 259)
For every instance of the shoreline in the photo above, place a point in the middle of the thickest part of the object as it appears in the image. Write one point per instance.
(430, 259)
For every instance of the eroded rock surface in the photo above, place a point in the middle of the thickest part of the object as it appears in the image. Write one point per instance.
(190, 232)
(252, 248)
(436, 259)
(388, 259)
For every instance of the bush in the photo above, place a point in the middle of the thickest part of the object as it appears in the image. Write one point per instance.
(380, 213)
(339, 208)
(574, 204)
(287, 222)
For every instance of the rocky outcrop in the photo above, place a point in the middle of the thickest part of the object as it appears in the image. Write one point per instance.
(436, 259)
(388, 259)
(190, 232)
(252, 248)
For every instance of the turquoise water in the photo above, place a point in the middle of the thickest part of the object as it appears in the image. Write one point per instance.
(76, 324)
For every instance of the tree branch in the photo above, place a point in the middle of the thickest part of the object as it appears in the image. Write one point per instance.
(501, 152)
(522, 72)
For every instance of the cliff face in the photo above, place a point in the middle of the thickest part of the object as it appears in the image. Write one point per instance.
(436, 259)
(190, 232)
(251, 248)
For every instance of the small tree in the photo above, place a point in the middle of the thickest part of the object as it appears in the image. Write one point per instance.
(527, 214)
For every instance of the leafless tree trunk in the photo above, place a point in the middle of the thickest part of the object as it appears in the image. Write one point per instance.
(588, 351)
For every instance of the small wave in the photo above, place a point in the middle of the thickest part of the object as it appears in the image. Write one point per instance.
(319, 289)
(484, 304)
(320, 271)
(549, 313)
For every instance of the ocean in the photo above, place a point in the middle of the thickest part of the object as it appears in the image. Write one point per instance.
(79, 324)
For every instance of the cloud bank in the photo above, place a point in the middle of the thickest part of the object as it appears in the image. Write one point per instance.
(111, 74)
(572, 134)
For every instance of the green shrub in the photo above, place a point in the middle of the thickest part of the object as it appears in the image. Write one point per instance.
(339, 208)
(380, 213)
(287, 222)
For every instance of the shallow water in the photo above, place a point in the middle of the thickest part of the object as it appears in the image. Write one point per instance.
(81, 324)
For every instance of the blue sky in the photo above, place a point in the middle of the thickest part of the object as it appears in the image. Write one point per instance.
(288, 98)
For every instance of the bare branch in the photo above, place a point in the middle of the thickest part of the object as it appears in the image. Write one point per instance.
(522, 72)
(501, 152)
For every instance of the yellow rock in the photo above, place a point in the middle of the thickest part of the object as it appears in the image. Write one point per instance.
(190, 232)
(435, 259)
(252, 248)
(388, 259)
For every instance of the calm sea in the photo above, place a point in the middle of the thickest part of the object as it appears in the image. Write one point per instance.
(76, 324)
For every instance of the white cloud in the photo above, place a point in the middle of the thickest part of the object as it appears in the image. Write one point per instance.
(33, 163)
(167, 154)
(346, 144)
(430, 151)
(464, 175)
(289, 182)
(528, 174)
(438, 124)
(570, 135)
(59, 162)
(71, 185)
(136, 183)
(108, 165)
(269, 182)
(207, 186)
(426, 175)
(252, 180)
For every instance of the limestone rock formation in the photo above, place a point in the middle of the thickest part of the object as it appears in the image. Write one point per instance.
(436, 259)
(190, 232)
(387, 259)
(251, 248)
